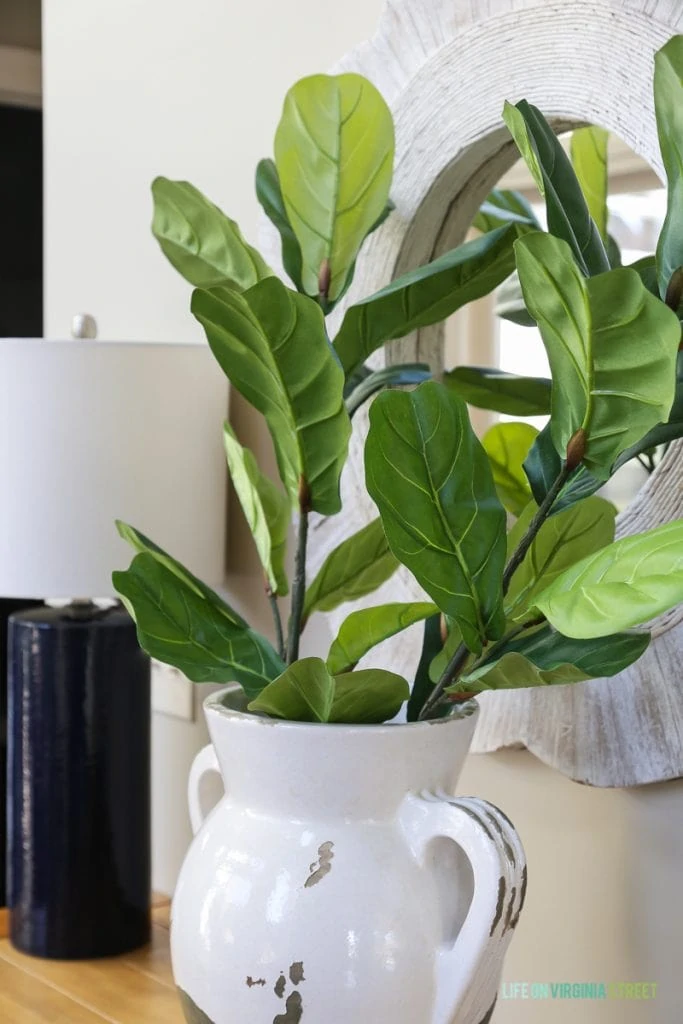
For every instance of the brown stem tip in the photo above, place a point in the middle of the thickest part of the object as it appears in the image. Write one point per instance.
(324, 278)
(304, 495)
(576, 449)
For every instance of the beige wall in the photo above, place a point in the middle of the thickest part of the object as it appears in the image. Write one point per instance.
(134, 89)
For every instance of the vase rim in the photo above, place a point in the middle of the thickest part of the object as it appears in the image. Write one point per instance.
(215, 702)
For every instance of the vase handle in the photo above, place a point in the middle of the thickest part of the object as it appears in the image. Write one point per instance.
(205, 761)
(469, 968)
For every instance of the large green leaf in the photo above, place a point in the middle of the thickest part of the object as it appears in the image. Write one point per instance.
(543, 466)
(504, 206)
(143, 545)
(646, 268)
(427, 295)
(183, 628)
(546, 657)
(265, 508)
(272, 345)
(269, 195)
(431, 480)
(308, 692)
(663, 433)
(568, 214)
(588, 149)
(509, 303)
(620, 586)
(303, 693)
(562, 540)
(334, 151)
(364, 629)
(400, 375)
(487, 388)
(668, 89)
(204, 245)
(368, 696)
(507, 446)
(611, 345)
(358, 566)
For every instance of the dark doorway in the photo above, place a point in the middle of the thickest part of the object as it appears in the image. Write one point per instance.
(21, 216)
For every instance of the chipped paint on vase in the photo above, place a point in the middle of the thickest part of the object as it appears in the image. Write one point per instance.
(322, 887)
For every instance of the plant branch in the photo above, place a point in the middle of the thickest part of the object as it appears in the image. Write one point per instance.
(449, 674)
(535, 525)
(277, 621)
(298, 587)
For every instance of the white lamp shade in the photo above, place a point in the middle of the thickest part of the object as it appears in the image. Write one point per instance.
(93, 431)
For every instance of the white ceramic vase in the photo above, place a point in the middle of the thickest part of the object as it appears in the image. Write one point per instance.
(338, 881)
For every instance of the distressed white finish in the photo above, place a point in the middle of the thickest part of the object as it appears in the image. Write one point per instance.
(446, 67)
(322, 886)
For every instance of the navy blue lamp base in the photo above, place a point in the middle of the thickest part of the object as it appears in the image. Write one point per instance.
(8, 606)
(78, 882)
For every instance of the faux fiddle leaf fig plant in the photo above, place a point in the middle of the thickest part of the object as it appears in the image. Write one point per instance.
(524, 584)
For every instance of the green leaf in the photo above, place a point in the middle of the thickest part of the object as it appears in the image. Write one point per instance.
(358, 566)
(619, 587)
(334, 151)
(307, 692)
(364, 629)
(668, 89)
(440, 661)
(646, 269)
(559, 544)
(143, 545)
(368, 696)
(432, 644)
(507, 445)
(503, 392)
(501, 207)
(269, 195)
(663, 433)
(568, 215)
(325, 304)
(614, 252)
(543, 466)
(588, 149)
(183, 628)
(203, 245)
(604, 381)
(303, 693)
(427, 295)
(545, 657)
(401, 375)
(509, 303)
(265, 508)
(271, 343)
(431, 480)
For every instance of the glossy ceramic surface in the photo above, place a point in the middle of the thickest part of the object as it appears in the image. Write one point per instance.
(324, 887)
(79, 822)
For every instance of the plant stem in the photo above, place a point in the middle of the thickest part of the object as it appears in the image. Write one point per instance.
(298, 589)
(277, 620)
(449, 674)
(535, 525)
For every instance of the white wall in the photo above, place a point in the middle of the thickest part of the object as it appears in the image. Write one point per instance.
(193, 89)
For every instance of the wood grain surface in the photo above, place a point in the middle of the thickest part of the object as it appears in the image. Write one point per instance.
(136, 988)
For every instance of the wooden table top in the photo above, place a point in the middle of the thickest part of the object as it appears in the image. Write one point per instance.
(136, 988)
